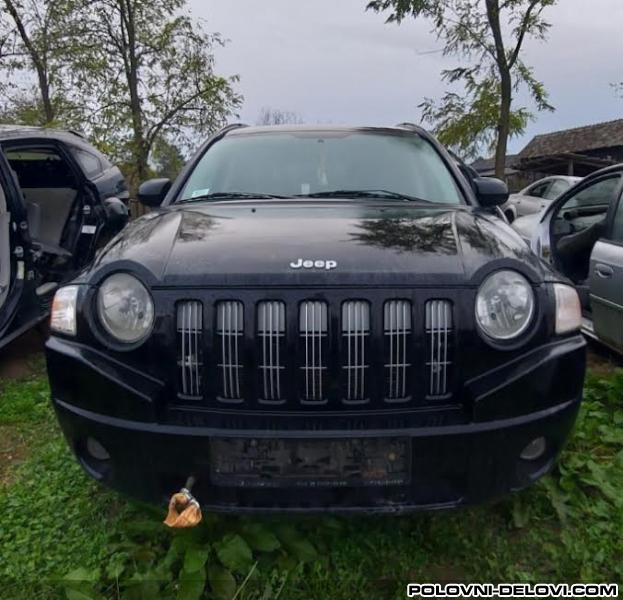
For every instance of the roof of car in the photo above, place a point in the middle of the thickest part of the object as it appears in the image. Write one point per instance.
(246, 130)
(20, 132)
(571, 178)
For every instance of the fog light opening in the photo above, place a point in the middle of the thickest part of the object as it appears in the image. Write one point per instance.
(534, 450)
(96, 450)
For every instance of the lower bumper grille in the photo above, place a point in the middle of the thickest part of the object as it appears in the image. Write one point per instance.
(316, 354)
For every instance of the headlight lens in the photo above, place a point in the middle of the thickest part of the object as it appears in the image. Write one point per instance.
(505, 305)
(125, 308)
(568, 309)
(63, 318)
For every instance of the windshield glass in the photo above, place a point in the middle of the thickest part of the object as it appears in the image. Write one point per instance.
(313, 163)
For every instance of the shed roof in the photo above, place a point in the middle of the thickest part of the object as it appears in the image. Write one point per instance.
(576, 140)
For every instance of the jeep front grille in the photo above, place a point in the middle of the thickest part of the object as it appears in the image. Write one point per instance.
(355, 352)
(397, 349)
(229, 331)
(313, 351)
(271, 331)
(190, 348)
(439, 346)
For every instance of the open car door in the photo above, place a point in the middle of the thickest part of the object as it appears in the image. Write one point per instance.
(19, 308)
(606, 281)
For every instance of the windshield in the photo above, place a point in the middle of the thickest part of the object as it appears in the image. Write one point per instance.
(303, 164)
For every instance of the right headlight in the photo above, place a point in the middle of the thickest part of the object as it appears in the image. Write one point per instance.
(125, 308)
(505, 305)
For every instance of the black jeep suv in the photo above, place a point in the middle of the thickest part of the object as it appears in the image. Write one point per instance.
(318, 319)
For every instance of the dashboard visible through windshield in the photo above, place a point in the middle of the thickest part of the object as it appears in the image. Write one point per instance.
(322, 164)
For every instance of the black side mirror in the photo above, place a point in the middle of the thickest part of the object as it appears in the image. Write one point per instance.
(491, 191)
(152, 192)
(117, 214)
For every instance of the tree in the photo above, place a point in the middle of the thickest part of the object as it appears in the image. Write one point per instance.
(36, 41)
(489, 35)
(148, 73)
(167, 159)
(274, 116)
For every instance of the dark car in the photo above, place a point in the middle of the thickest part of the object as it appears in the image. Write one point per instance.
(60, 199)
(581, 235)
(318, 319)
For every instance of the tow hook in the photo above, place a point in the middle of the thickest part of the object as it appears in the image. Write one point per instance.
(184, 510)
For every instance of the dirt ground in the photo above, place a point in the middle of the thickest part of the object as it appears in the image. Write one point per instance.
(16, 359)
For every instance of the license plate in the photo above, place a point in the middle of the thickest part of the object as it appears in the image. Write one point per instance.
(248, 462)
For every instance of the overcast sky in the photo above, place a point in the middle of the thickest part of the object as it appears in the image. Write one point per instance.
(333, 62)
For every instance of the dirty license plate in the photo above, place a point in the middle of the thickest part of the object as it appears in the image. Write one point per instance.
(248, 462)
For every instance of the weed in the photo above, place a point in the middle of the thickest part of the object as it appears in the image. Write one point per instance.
(61, 534)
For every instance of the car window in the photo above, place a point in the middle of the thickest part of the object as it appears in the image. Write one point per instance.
(600, 193)
(617, 228)
(303, 163)
(586, 208)
(539, 190)
(558, 187)
(90, 163)
(40, 168)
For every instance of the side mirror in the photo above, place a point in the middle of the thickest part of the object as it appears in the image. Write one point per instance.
(117, 214)
(490, 191)
(152, 192)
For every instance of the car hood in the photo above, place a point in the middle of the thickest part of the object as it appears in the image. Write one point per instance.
(350, 243)
(526, 226)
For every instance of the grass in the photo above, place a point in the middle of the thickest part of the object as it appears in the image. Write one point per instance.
(63, 536)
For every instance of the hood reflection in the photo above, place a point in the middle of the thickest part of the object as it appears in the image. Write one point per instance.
(433, 234)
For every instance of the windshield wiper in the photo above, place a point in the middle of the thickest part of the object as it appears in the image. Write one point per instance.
(386, 194)
(230, 196)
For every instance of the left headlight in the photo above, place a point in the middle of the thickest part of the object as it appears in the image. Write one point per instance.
(63, 314)
(125, 308)
(505, 305)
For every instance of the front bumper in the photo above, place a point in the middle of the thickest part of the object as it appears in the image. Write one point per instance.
(450, 464)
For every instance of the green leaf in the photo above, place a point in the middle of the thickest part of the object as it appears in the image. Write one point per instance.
(195, 559)
(295, 543)
(222, 582)
(81, 574)
(192, 585)
(234, 553)
(260, 538)
(78, 595)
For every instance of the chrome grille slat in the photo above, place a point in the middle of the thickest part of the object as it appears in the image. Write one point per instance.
(313, 332)
(439, 325)
(397, 330)
(356, 332)
(230, 328)
(271, 328)
(189, 327)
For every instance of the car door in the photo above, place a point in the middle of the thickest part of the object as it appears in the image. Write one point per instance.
(65, 213)
(106, 196)
(606, 281)
(19, 306)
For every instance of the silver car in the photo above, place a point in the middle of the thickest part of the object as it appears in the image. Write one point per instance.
(581, 234)
(537, 196)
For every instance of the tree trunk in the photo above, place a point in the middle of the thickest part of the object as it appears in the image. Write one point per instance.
(506, 87)
(140, 149)
(37, 61)
(44, 87)
(503, 125)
